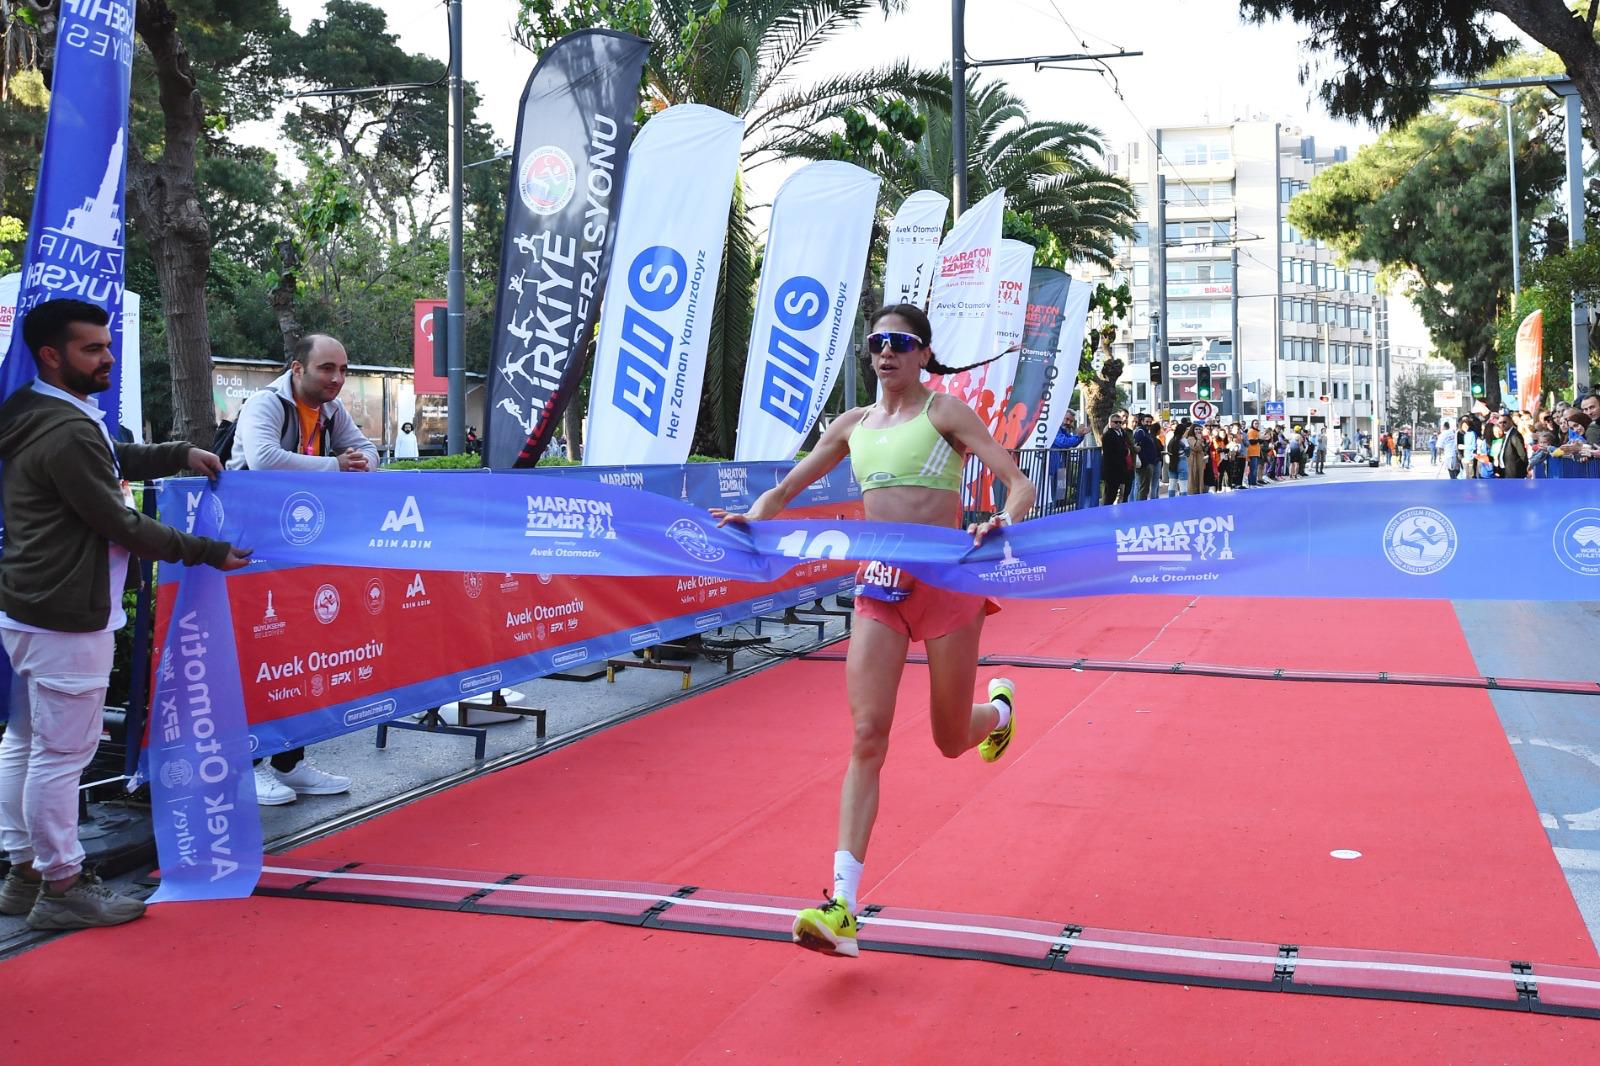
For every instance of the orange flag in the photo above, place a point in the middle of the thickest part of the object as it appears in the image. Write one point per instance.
(1530, 361)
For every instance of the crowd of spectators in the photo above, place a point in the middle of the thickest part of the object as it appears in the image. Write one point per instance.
(1519, 444)
(1145, 459)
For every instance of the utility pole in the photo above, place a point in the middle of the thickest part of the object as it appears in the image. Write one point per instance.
(1233, 376)
(1158, 314)
(960, 64)
(455, 281)
(1327, 361)
(958, 102)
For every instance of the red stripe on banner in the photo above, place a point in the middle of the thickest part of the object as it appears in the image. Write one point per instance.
(314, 636)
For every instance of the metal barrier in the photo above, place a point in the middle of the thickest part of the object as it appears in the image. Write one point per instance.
(1570, 468)
(1066, 479)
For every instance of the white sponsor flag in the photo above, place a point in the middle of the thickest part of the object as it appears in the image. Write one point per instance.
(1060, 385)
(131, 396)
(913, 248)
(806, 306)
(964, 285)
(990, 384)
(650, 357)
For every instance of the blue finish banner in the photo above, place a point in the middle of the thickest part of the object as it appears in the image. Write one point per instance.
(1441, 540)
(202, 787)
(1445, 540)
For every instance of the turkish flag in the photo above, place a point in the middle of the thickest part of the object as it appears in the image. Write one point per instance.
(424, 382)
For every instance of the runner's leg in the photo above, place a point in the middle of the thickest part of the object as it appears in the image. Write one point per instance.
(873, 666)
(958, 723)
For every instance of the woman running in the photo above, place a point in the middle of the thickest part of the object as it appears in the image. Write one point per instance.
(908, 451)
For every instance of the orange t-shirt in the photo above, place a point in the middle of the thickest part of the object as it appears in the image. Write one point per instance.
(310, 435)
(1254, 451)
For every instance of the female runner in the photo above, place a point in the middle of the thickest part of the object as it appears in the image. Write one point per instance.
(908, 451)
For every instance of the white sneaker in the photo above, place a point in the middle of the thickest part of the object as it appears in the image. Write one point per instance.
(307, 780)
(270, 792)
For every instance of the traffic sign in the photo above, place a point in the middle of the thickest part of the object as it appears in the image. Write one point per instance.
(1202, 410)
(1274, 408)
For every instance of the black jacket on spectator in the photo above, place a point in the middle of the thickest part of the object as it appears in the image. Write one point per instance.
(1514, 455)
(1114, 454)
(1149, 450)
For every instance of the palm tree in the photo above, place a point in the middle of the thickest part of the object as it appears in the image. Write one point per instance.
(1052, 183)
(739, 56)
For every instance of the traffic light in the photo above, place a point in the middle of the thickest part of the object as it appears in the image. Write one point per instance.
(1202, 381)
(1477, 380)
(1155, 371)
(441, 342)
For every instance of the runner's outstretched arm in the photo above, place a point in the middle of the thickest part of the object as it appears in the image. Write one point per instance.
(831, 449)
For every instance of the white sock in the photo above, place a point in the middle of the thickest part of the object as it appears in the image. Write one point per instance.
(846, 878)
(1004, 707)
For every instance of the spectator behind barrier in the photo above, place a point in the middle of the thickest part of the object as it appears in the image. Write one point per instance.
(298, 423)
(70, 530)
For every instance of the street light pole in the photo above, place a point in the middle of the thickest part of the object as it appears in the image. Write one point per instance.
(1511, 157)
(1575, 235)
(1563, 87)
(455, 280)
(958, 102)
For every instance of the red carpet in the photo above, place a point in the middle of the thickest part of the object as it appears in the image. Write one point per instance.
(1199, 807)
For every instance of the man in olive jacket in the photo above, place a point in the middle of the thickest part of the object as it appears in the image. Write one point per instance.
(69, 532)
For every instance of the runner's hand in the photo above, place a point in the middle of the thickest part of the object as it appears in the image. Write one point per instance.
(979, 530)
(764, 508)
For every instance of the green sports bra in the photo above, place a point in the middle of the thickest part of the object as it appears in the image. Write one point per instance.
(911, 453)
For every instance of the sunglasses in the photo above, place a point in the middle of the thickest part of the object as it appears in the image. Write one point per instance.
(898, 343)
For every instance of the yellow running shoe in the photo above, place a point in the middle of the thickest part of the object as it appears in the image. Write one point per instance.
(994, 745)
(830, 929)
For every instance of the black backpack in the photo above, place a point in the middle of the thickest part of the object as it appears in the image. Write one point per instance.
(227, 429)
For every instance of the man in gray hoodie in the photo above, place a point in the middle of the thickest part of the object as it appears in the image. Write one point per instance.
(298, 423)
(70, 529)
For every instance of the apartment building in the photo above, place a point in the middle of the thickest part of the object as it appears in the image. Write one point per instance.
(1286, 331)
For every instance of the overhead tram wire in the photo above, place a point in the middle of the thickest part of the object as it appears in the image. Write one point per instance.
(960, 65)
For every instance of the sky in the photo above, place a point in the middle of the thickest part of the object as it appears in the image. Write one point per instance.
(1200, 63)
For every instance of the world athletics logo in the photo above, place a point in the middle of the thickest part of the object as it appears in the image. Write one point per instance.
(1577, 541)
(546, 180)
(1419, 541)
(302, 518)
